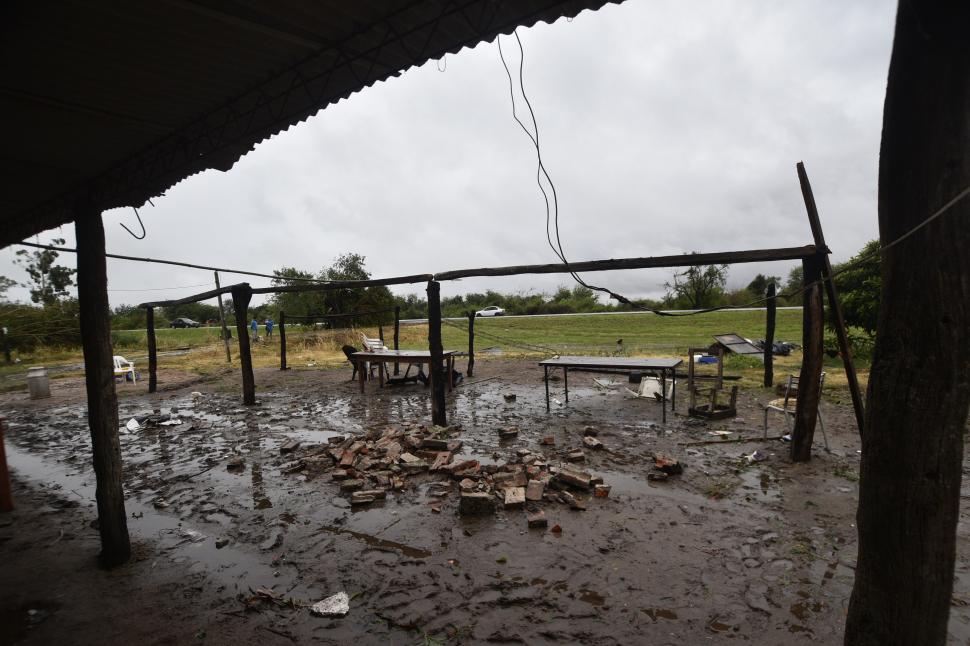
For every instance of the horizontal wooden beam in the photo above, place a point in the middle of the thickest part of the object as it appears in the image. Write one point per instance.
(204, 296)
(680, 260)
(345, 284)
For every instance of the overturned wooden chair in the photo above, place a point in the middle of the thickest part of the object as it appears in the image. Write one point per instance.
(706, 401)
(786, 406)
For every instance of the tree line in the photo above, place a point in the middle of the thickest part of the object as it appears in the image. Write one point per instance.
(51, 319)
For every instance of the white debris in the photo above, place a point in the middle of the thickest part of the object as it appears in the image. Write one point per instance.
(196, 394)
(336, 606)
(172, 422)
(132, 425)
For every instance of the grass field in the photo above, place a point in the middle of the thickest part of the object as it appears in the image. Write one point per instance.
(642, 334)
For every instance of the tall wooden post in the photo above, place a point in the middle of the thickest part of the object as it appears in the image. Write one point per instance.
(397, 335)
(282, 340)
(471, 344)
(241, 295)
(152, 349)
(99, 378)
(772, 305)
(809, 386)
(438, 415)
(6, 496)
(833, 296)
(222, 321)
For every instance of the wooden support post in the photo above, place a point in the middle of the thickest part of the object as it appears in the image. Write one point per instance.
(772, 305)
(380, 332)
(438, 415)
(99, 378)
(397, 335)
(222, 321)
(152, 349)
(471, 344)
(6, 496)
(241, 295)
(282, 340)
(809, 381)
(833, 297)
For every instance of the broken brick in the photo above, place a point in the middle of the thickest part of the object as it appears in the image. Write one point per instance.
(476, 504)
(592, 443)
(537, 520)
(670, 466)
(514, 497)
(601, 491)
(534, 490)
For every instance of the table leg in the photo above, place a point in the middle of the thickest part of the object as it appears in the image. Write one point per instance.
(380, 373)
(663, 394)
(450, 363)
(431, 376)
(361, 373)
(546, 379)
(673, 390)
(565, 381)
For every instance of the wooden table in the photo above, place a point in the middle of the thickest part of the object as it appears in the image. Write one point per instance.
(663, 365)
(420, 357)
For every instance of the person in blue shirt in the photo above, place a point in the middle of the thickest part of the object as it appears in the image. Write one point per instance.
(269, 328)
(254, 326)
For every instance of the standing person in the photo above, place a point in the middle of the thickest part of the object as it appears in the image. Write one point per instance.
(269, 328)
(254, 326)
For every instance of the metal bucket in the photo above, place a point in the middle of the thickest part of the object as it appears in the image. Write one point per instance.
(38, 383)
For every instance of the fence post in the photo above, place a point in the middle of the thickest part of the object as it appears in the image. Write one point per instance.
(437, 373)
(471, 344)
(241, 295)
(152, 349)
(397, 335)
(282, 340)
(770, 337)
(809, 380)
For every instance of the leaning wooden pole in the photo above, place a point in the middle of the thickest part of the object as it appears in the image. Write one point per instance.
(772, 305)
(438, 415)
(6, 495)
(282, 340)
(222, 320)
(92, 291)
(152, 349)
(809, 380)
(397, 335)
(241, 295)
(471, 344)
(845, 349)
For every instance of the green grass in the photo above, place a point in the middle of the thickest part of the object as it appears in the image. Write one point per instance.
(166, 338)
(641, 333)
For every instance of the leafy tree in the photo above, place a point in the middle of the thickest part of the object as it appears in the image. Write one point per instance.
(698, 287)
(759, 286)
(48, 281)
(5, 284)
(858, 282)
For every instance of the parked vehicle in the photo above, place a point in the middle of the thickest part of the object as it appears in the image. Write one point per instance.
(184, 322)
(491, 310)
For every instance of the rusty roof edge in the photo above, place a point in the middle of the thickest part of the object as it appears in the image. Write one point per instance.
(106, 193)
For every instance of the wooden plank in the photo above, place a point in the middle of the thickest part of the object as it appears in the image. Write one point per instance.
(845, 348)
(99, 379)
(345, 284)
(241, 295)
(436, 370)
(680, 260)
(772, 304)
(222, 320)
(152, 349)
(625, 363)
(809, 386)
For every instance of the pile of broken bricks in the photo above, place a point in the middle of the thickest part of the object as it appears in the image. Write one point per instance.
(369, 466)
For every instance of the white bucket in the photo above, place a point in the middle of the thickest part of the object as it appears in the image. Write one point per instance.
(38, 383)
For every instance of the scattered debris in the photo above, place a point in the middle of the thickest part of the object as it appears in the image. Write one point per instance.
(221, 542)
(289, 446)
(534, 490)
(509, 397)
(589, 431)
(132, 425)
(657, 477)
(576, 455)
(556, 529)
(548, 440)
(669, 466)
(477, 503)
(508, 433)
(537, 520)
(514, 497)
(235, 463)
(601, 491)
(592, 443)
(336, 606)
(757, 456)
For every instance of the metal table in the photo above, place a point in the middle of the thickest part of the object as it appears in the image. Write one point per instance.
(380, 357)
(663, 365)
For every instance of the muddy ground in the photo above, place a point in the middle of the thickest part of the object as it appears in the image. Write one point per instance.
(731, 550)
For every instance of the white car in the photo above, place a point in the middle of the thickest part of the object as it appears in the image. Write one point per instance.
(491, 310)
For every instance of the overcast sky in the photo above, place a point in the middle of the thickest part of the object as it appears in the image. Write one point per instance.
(667, 126)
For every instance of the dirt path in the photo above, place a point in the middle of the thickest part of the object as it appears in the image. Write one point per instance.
(758, 551)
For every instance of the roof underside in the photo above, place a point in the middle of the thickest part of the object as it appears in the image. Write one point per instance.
(111, 103)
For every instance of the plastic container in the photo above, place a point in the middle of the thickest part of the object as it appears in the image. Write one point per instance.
(38, 383)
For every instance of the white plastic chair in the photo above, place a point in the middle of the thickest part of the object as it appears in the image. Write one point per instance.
(786, 406)
(124, 367)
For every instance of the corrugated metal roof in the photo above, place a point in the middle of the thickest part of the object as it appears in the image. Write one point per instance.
(115, 102)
